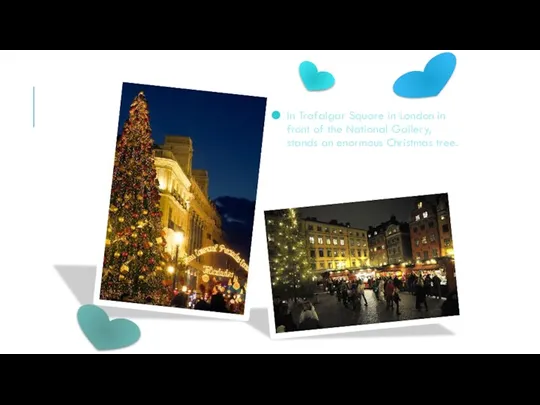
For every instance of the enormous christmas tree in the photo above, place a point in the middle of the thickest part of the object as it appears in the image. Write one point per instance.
(134, 261)
(291, 268)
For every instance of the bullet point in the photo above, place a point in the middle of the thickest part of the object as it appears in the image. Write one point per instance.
(276, 115)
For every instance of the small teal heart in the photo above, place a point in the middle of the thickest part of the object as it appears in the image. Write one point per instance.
(103, 333)
(313, 79)
(431, 81)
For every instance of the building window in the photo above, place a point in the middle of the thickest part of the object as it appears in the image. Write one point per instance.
(321, 265)
(314, 266)
(330, 265)
(342, 242)
(310, 227)
(312, 253)
(420, 205)
(319, 229)
(326, 230)
(353, 252)
(425, 214)
(335, 241)
(329, 253)
(320, 240)
(328, 241)
(432, 237)
(435, 253)
(336, 253)
(426, 255)
(342, 253)
(354, 263)
(424, 240)
(365, 253)
(417, 242)
(447, 243)
(418, 217)
(443, 217)
(312, 240)
(321, 253)
(446, 228)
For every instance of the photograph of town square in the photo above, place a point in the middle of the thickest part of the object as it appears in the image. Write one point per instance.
(182, 199)
(362, 263)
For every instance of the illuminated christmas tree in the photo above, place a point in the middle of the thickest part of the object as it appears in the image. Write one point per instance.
(291, 269)
(134, 260)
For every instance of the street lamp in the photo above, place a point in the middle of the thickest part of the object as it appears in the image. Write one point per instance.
(178, 240)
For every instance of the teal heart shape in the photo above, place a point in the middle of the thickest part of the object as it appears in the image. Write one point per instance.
(313, 79)
(103, 333)
(431, 81)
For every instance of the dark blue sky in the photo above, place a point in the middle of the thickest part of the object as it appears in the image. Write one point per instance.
(226, 130)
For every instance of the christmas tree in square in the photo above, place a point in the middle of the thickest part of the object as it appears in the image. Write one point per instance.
(290, 266)
(134, 260)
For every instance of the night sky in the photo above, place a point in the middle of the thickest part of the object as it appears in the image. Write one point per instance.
(226, 131)
(362, 215)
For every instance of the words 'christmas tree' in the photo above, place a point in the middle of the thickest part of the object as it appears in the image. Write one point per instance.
(134, 261)
(292, 275)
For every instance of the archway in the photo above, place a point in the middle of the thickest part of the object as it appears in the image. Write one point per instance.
(217, 249)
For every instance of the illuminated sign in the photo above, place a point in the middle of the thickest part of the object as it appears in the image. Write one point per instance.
(217, 249)
(210, 271)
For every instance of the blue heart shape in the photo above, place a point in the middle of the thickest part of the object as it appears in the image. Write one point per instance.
(103, 333)
(313, 79)
(431, 81)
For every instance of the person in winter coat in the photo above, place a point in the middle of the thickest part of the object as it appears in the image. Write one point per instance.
(397, 299)
(309, 319)
(361, 293)
(389, 294)
(421, 297)
(437, 287)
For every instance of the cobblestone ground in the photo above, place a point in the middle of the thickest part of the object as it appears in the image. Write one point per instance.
(333, 314)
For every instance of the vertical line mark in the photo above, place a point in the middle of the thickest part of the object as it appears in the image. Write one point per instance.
(34, 107)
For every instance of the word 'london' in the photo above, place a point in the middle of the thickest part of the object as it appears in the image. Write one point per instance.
(210, 271)
(217, 249)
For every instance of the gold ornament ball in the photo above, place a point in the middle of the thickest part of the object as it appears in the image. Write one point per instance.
(140, 223)
(236, 286)
(158, 268)
(132, 228)
(117, 254)
(162, 263)
(121, 219)
(109, 229)
(134, 235)
(121, 277)
(140, 253)
(124, 268)
(145, 212)
(107, 242)
(150, 244)
(140, 197)
(141, 277)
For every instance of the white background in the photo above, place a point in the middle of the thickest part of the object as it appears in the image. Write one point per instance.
(56, 182)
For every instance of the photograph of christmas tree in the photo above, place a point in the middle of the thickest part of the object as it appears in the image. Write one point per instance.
(182, 201)
(361, 263)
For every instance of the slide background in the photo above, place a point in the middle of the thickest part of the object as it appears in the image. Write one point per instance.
(56, 182)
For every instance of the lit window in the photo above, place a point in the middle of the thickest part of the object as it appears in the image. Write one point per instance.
(320, 240)
(375, 233)
(420, 204)
(342, 242)
(328, 241)
(382, 247)
(418, 217)
(443, 218)
(335, 241)
(311, 240)
(425, 214)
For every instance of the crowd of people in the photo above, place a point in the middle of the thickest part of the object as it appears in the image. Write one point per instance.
(295, 315)
(388, 289)
(217, 301)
